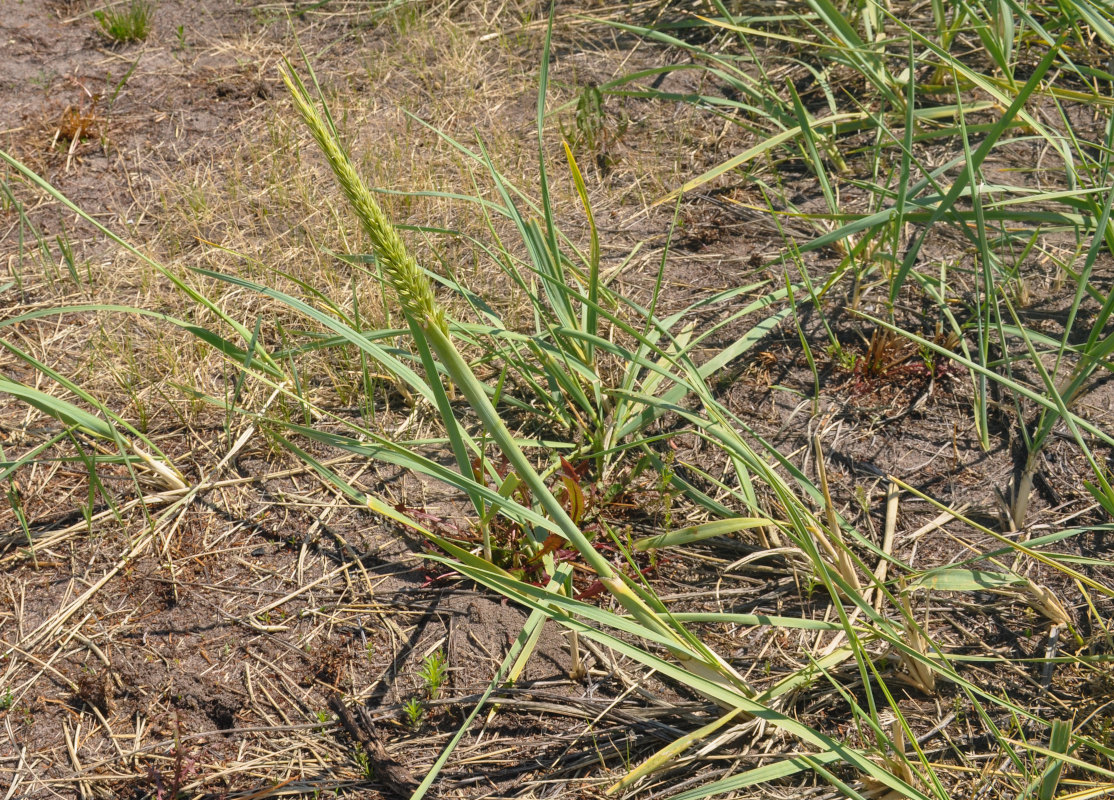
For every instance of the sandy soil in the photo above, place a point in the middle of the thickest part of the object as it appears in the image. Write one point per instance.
(204, 654)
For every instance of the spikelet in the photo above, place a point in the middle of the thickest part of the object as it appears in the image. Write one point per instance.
(415, 292)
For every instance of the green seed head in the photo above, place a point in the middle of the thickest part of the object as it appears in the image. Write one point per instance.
(415, 292)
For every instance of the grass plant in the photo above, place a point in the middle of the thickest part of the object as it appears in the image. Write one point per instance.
(127, 23)
(543, 422)
(1004, 223)
(822, 543)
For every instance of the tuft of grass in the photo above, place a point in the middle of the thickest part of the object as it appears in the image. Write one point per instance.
(131, 23)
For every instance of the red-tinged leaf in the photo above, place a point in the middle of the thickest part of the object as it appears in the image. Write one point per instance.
(574, 498)
(551, 543)
(575, 472)
(594, 589)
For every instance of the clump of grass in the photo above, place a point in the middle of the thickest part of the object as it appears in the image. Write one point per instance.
(132, 23)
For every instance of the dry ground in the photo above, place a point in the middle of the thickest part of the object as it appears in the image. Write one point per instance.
(207, 657)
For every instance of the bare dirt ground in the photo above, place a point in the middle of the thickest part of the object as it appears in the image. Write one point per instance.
(214, 655)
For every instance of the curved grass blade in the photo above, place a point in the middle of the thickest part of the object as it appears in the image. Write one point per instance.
(178, 283)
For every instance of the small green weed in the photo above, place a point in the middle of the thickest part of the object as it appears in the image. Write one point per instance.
(665, 490)
(414, 711)
(590, 118)
(132, 23)
(43, 80)
(590, 130)
(6, 700)
(434, 671)
(364, 762)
